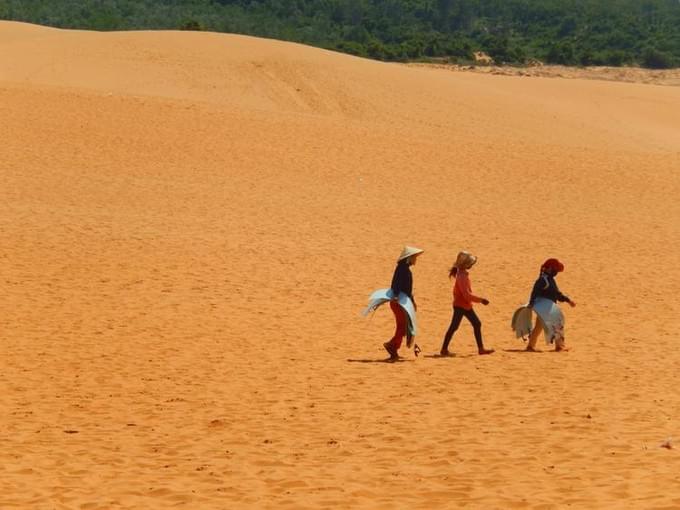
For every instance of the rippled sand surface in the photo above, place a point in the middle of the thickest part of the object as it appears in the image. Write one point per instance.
(190, 224)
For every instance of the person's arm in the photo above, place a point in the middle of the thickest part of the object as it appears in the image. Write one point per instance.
(396, 281)
(466, 289)
(402, 281)
(475, 299)
(565, 299)
(408, 290)
(408, 284)
(562, 298)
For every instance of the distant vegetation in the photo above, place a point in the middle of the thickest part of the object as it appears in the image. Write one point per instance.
(570, 32)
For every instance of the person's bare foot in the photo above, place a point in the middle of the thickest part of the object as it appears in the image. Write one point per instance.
(446, 353)
(561, 349)
(391, 351)
(530, 349)
(486, 351)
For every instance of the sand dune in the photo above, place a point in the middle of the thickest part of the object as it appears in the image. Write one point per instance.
(669, 77)
(190, 224)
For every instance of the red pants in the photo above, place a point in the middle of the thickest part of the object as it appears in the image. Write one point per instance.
(400, 318)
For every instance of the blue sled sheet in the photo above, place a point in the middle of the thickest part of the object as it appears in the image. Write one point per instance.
(382, 296)
(551, 317)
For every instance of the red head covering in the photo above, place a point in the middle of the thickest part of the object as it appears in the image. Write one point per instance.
(553, 264)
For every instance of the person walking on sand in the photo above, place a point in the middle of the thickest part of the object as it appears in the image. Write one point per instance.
(402, 281)
(545, 288)
(462, 303)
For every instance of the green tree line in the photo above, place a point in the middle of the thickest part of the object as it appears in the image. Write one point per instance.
(569, 32)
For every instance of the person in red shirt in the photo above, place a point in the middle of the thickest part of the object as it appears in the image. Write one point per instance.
(462, 303)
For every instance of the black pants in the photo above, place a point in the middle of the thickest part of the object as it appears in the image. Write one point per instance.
(458, 314)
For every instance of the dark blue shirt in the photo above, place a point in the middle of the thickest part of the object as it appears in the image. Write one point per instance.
(546, 287)
(402, 280)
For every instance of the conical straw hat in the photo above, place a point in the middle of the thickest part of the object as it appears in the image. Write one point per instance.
(465, 260)
(409, 251)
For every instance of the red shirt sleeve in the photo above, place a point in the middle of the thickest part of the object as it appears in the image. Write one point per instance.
(465, 288)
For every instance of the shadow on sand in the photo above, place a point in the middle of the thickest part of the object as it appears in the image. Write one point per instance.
(384, 360)
(451, 356)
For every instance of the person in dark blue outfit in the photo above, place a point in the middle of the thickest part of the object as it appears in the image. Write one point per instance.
(546, 287)
(402, 281)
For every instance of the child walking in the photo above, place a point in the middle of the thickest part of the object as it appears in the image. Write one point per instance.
(462, 303)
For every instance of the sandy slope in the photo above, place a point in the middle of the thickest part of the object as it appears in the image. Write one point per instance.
(190, 224)
(622, 74)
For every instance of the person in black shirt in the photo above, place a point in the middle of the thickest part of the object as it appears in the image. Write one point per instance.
(402, 281)
(546, 287)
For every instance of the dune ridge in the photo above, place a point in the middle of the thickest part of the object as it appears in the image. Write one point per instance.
(190, 224)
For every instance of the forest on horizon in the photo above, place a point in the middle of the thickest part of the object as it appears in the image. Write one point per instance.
(569, 32)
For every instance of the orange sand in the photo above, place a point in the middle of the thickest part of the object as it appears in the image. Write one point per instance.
(190, 224)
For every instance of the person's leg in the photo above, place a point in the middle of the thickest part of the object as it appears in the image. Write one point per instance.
(453, 327)
(477, 328)
(400, 330)
(559, 345)
(535, 333)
